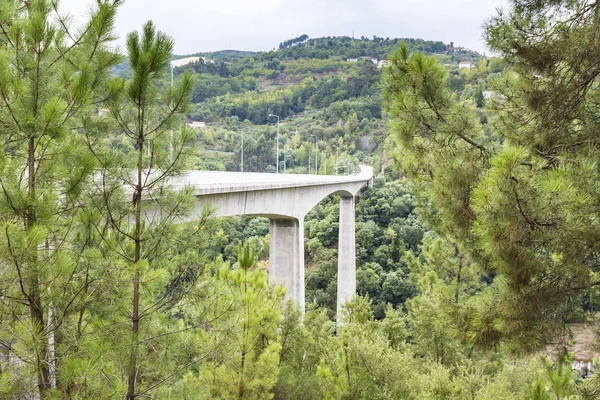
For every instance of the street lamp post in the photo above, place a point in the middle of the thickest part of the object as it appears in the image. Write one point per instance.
(277, 164)
(309, 160)
(242, 156)
(316, 155)
(336, 158)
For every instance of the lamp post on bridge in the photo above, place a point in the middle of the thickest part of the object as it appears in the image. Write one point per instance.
(336, 158)
(277, 163)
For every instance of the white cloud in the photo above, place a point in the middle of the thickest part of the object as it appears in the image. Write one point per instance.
(207, 25)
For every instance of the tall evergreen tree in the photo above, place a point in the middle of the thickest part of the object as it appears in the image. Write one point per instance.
(247, 365)
(523, 203)
(139, 225)
(49, 77)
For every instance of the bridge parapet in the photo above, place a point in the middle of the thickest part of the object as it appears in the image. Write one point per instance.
(208, 182)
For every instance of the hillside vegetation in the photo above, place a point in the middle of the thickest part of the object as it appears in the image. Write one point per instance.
(319, 93)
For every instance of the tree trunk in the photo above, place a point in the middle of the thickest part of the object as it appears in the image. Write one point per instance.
(241, 382)
(135, 318)
(37, 319)
(36, 309)
(459, 278)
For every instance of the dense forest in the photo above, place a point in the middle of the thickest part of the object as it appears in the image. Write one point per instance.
(476, 246)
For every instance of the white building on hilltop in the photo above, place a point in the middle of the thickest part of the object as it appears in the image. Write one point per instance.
(197, 124)
(188, 60)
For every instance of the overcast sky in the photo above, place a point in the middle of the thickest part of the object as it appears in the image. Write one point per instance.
(257, 25)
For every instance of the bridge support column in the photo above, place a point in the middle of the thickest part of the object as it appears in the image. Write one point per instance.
(286, 259)
(346, 287)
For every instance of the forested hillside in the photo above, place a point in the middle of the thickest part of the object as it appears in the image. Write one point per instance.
(327, 98)
(325, 91)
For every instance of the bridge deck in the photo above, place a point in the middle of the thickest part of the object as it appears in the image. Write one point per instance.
(213, 182)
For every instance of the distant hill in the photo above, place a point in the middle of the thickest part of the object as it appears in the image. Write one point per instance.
(324, 48)
(220, 55)
(344, 47)
(306, 74)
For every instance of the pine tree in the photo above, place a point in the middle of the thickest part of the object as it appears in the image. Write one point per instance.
(522, 202)
(49, 77)
(246, 366)
(479, 99)
(147, 247)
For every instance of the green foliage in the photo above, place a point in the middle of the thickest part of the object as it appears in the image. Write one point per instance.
(347, 47)
(368, 360)
(246, 366)
(555, 382)
(151, 255)
(293, 41)
(508, 197)
(208, 87)
(292, 81)
(315, 87)
(386, 226)
(101, 300)
(51, 77)
(218, 68)
(245, 256)
(479, 100)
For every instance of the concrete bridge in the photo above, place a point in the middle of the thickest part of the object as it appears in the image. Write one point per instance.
(285, 199)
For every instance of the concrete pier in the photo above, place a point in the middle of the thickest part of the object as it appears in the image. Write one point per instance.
(286, 260)
(346, 287)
